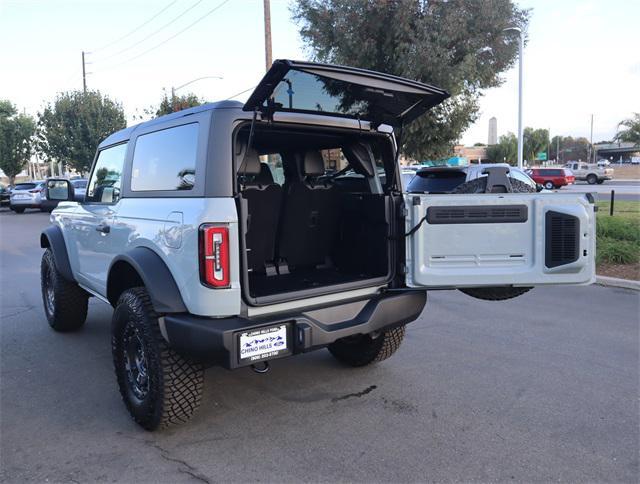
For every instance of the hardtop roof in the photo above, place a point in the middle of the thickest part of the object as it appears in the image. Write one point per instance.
(125, 134)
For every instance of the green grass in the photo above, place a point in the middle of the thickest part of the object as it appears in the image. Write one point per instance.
(618, 237)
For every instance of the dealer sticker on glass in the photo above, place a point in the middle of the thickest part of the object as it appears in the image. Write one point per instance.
(263, 343)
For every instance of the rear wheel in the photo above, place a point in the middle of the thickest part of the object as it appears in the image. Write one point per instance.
(65, 303)
(502, 292)
(364, 349)
(548, 185)
(592, 179)
(600, 182)
(159, 387)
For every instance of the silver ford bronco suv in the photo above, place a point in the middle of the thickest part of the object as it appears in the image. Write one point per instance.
(234, 234)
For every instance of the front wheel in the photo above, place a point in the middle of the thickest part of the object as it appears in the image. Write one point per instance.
(600, 182)
(592, 179)
(364, 349)
(159, 387)
(548, 185)
(65, 303)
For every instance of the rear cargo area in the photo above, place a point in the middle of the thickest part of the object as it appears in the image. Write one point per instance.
(316, 215)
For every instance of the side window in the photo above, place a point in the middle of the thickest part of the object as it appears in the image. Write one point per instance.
(165, 160)
(274, 162)
(104, 186)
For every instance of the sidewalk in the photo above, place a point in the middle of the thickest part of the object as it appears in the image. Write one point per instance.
(615, 282)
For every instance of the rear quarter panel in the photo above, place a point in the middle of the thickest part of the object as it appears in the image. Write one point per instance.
(170, 227)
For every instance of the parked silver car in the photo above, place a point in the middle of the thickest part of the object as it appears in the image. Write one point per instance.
(26, 195)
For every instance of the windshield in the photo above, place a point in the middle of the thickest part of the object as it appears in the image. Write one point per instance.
(79, 183)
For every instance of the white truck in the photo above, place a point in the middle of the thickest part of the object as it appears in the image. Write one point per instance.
(591, 173)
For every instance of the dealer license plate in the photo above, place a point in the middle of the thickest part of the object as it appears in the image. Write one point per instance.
(263, 343)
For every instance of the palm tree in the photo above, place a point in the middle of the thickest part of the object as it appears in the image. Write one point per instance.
(631, 130)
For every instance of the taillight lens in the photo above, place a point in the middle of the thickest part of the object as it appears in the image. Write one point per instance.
(214, 255)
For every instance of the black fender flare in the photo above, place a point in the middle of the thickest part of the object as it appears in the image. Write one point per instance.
(52, 238)
(156, 276)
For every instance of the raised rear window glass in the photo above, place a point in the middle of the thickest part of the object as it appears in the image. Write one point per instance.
(165, 160)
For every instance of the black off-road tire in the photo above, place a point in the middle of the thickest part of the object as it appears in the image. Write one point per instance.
(600, 182)
(592, 179)
(363, 349)
(18, 209)
(494, 293)
(173, 383)
(65, 303)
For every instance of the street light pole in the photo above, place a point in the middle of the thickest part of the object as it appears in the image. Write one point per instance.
(520, 129)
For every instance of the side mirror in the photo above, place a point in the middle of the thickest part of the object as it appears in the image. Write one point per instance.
(539, 187)
(59, 189)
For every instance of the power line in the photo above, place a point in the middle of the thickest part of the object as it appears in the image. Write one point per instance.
(241, 92)
(151, 34)
(173, 36)
(134, 30)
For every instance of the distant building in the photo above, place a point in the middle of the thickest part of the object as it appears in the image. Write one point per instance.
(493, 131)
(475, 154)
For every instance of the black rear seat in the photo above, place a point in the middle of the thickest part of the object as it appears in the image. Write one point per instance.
(309, 218)
(264, 198)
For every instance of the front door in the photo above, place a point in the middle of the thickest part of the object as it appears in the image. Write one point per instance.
(94, 219)
(507, 239)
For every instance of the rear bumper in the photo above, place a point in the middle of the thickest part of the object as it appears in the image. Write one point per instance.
(25, 202)
(215, 341)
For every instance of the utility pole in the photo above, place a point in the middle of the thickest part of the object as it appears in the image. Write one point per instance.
(267, 33)
(520, 130)
(84, 75)
(558, 149)
(591, 154)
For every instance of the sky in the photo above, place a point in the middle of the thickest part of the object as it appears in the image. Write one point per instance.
(581, 57)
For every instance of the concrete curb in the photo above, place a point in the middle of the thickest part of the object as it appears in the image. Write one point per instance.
(615, 282)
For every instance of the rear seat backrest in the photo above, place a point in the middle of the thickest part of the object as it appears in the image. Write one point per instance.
(309, 219)
(264, 199)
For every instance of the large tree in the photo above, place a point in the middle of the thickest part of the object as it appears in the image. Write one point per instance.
(505, 151)
(459, 45)
(630, 131)
(16, 132)
(534, 142)
(570, 149)
(71, 127)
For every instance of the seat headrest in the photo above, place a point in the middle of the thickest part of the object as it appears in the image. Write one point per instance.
(264, 177)
(250, 164)
(312, 164)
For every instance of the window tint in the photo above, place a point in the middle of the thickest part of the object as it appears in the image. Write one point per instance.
(520, 176)
(165, 160)
(436, 181)
(104, 185)
(79, 183)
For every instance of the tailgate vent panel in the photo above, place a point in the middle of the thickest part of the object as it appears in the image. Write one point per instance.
(475, 214)
(562, 239)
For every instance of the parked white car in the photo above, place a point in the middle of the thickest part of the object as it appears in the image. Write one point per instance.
(26, 195)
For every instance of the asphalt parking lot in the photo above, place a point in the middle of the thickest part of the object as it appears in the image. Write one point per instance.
(540, 388)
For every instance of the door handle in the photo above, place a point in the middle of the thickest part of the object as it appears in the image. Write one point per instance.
(103, 228)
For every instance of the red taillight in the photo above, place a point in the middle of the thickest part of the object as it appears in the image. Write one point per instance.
(214, 255)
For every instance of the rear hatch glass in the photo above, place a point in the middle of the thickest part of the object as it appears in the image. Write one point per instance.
(307, 87)
(436, 181)
(25, 186)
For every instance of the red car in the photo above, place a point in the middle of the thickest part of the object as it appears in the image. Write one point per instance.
(552, 177)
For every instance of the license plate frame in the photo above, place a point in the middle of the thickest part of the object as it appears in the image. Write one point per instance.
(270, 342)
